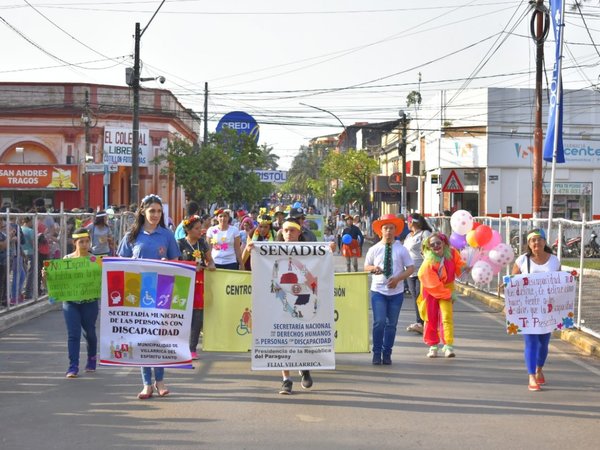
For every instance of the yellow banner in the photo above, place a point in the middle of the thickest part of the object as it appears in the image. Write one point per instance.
(351, 300)
(228, 312)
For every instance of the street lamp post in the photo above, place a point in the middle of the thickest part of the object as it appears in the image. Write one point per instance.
(331, 114)
(402, 154)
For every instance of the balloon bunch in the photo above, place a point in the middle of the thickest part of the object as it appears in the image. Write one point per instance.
(480, 246)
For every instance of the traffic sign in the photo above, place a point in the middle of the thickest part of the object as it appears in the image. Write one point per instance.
(453, 183)
(395, 181)
(99, 168)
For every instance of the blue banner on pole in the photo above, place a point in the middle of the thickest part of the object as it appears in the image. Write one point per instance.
(556, 101)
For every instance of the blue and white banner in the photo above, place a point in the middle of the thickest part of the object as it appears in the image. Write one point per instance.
(556, 98)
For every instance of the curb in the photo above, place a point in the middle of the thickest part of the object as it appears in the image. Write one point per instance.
(25, 313)
(586, 343)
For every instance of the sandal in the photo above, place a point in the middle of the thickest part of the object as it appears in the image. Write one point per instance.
(161, 392)
(145, 394)
(539, 377)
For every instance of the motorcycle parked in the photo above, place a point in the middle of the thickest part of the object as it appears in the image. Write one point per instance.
(592, 248)
(570, 247)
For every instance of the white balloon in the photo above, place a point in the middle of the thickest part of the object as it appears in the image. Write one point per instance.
(502, 254)
(482, 272)
(461, 221)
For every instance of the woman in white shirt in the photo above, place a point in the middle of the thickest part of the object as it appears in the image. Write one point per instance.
(419, 231)
(224, 241)
(537, 258)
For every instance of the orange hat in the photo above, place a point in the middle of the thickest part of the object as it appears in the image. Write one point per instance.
(388, 219)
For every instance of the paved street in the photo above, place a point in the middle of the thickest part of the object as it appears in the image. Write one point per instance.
(478, 399)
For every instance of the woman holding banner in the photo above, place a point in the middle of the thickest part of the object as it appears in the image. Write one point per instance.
(194, 247)
(537, 258)
(150, 239)
(80, 315)
(225, 243)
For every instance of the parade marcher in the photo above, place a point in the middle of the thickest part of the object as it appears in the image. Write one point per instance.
(537, 258)
(340, 224)
(298, 215)
(192, 208)
(419, 231)
(101, 234)
(80, 315)
(224, 241)
(194, 247)
(263, 232)
(279, 217)
(149, 238)
(352, 250)
(390, 264)
(441, 265)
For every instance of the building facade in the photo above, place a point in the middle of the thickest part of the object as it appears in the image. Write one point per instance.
(477, 154)
(66, 142)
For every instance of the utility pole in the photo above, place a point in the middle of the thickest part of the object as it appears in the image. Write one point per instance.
(539, 21)
(205, 141)
(135, 156)
(86, 120)
(402, 154)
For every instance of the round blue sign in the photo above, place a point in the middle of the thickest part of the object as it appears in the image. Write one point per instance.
(241, 122)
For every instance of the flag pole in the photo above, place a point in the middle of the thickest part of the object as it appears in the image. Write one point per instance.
(557, 120)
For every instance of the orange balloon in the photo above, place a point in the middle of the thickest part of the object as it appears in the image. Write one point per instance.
(471, 239)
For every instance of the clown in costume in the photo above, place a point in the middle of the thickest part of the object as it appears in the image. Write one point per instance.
(441, 265)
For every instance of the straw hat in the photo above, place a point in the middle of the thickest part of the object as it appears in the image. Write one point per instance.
(388, 219)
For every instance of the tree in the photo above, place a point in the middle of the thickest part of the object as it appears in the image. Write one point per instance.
(354, 169)
(304, 177)
(270, 158)
(221, 171)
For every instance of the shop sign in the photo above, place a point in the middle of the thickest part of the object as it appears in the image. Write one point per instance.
(118, 143)
(272, 176)
(569, 188)
(39, 176)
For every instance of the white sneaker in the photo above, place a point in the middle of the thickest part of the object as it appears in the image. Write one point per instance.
(433, 352)
(415, 327)
(449, 351)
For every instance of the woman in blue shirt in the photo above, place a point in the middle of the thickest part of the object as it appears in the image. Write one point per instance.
(150, 239)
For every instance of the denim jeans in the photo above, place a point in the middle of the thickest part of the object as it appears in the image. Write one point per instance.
(230, 266)
(159, 375)
(414, 286)
(536, 350)
(29, 269)
(386, 309)
(78, 317)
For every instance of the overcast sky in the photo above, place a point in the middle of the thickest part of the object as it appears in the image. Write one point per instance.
(357, 59)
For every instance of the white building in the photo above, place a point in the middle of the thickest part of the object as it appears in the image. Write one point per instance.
(484, 137)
